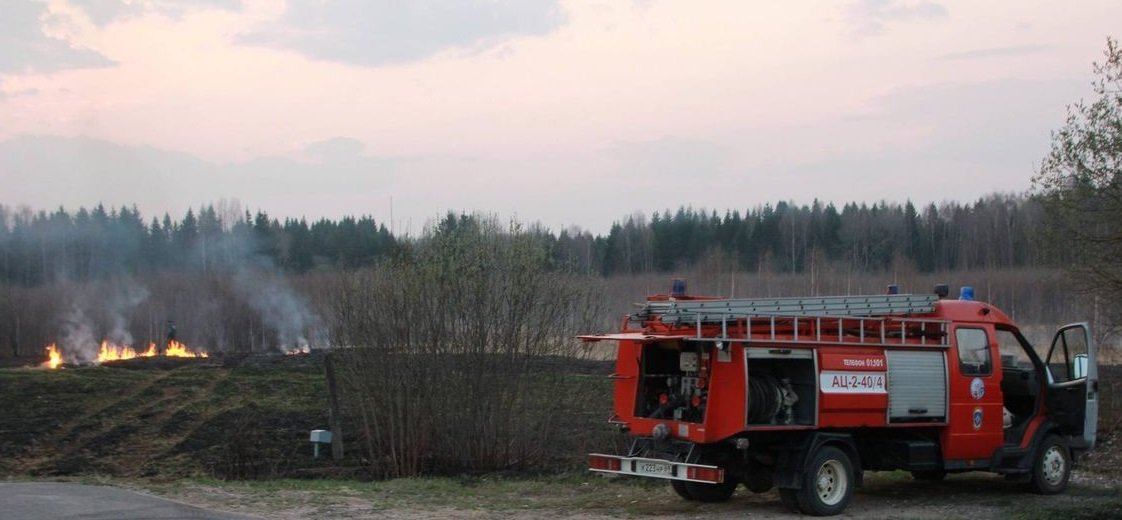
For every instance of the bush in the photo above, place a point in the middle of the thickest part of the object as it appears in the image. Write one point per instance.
(444, 339)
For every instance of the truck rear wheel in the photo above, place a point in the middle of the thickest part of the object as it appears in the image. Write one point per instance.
(828, 483)
(703, 492)
(679, 487)
(758, 483)
(1051, 468)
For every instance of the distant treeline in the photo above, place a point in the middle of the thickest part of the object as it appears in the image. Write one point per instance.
(994, 232)
(89, 245)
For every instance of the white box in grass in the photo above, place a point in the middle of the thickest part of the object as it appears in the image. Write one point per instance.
(321, 436)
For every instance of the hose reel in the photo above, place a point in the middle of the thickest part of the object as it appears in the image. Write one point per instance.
(770, 400)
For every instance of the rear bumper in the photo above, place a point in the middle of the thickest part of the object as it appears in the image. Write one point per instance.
(655, 468)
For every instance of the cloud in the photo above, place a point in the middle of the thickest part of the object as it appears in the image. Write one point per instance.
(379, 32)
(994, 52)
(870, 17)
(102, 12)
(24, 46)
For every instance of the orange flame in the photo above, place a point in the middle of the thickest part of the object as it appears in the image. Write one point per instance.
(111, 352)
(54, 357)
(177, 349)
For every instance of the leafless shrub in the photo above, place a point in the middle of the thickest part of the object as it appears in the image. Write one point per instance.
(445, 368)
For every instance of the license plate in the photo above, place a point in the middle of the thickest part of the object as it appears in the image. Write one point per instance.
(654, 468)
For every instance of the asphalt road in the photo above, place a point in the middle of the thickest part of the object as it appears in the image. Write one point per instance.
(61, 501)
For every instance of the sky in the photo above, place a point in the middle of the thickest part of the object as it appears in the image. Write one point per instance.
(559, 112)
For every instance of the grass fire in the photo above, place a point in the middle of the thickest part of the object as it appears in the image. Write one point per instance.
(109, 351)
(54, 357)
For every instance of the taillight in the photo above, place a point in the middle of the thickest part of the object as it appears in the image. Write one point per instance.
(714, 475)
(604, 463)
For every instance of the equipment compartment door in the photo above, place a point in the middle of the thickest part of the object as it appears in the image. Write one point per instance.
(1073, 400)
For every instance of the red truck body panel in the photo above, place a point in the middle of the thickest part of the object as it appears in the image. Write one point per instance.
(805, 393)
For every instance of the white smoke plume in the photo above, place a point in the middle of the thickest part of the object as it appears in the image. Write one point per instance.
(126, 296)
(281, 309)
(78, 343)
(81, 336)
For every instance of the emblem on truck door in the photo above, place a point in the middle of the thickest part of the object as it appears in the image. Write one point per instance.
(978, 418)
(977, 389)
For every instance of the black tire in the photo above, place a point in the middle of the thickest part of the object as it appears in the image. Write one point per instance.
(758, 482)
(1051, 467)
(828, 483)
(679, 487)
(703, 492)
(929, 475)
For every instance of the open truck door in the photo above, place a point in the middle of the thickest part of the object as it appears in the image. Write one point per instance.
(1073, 388)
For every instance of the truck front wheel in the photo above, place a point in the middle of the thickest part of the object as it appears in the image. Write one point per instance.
(1052, 467)
(828, 483)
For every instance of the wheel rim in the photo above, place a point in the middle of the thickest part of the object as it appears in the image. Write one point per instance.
(1054, 466)
(830, 483)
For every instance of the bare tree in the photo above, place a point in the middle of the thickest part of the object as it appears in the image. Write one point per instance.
(1080, 183)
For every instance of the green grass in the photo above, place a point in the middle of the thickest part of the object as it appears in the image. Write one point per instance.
(1079, 504)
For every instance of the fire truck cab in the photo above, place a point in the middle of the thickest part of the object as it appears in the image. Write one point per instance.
(805, 394)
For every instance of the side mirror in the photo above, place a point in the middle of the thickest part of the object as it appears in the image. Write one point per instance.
(1079, 366)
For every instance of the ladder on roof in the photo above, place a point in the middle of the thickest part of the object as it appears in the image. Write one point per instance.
(882, 320)
(719, 311)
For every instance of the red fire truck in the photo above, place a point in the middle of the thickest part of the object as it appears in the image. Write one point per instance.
(805, 394)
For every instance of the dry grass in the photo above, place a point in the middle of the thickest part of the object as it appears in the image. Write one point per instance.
(585, 496)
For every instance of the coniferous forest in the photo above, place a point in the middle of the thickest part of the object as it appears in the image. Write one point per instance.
(239, 281)
(994, 232)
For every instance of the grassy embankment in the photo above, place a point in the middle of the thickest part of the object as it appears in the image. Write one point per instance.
(190, 418)
(186, 429)
(230, 419)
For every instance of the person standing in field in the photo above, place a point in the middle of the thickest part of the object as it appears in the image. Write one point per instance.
(170, 337)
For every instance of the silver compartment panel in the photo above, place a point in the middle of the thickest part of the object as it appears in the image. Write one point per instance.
(917, 386)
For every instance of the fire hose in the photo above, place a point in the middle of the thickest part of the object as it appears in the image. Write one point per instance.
(768, 397)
